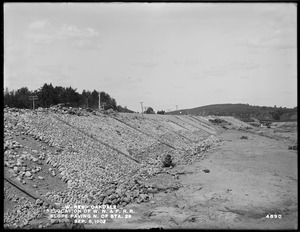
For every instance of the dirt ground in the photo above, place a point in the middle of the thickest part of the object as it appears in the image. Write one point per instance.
(240, 184)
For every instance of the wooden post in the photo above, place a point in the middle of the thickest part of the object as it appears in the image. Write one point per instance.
(142, 109)
(32, 98)
(99, 101)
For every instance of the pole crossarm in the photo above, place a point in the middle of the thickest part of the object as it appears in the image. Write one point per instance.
(33, 98)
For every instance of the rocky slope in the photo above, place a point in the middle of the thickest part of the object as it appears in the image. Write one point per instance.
(74, 156)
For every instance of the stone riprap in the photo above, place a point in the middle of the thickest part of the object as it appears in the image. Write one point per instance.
(100, 157)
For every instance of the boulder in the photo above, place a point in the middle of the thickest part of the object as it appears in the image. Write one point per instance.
(64, 178)
(48, 160)
(70, 183)
(27, 173)
(167, 161)
(110, 192)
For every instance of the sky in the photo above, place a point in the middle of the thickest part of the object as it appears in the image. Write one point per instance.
(162, 54)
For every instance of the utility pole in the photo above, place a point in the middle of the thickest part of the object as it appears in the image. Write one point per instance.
(99, 101)
(177, 107)
(142, 109)
(32, 98)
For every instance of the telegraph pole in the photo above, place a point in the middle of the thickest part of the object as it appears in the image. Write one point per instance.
(142, 109)
(32, 98)
(99, 101)
(177, 107)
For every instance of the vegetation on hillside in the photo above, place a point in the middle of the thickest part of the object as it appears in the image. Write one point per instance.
(49, 95)
(244, 112)
(161, 112)
(149, 111)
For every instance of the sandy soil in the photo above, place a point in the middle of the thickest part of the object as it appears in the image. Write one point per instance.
(248, 180)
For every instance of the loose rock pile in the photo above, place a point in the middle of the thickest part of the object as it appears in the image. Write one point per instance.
(70, 110)
(23, 213)
(62, 109)
(92, 172)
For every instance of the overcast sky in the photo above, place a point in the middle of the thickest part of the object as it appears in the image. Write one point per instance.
(163, 54)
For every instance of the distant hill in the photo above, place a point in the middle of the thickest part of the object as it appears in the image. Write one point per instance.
(244, 112)
(292, 116)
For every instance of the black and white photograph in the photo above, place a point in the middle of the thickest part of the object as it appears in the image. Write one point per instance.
(150, 115)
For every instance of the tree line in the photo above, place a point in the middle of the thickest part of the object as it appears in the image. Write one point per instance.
(49, 96)
(244, 112)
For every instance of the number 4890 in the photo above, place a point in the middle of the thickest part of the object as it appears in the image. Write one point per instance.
(274, 216)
